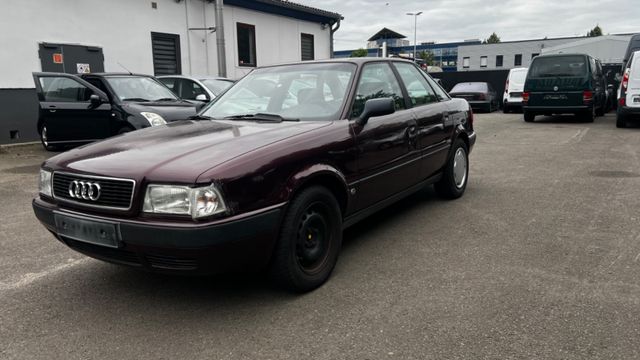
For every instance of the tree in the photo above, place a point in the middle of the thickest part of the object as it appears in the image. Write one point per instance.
(596, 31)
(427, 56)
(359, 53)
(493, 39)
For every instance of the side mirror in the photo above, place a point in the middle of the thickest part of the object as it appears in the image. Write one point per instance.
(202, 97)
(376, 107)
(95, 100)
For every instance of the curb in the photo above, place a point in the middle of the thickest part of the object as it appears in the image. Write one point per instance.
(4, 148)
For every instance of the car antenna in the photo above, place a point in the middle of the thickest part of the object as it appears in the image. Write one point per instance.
(129, 71)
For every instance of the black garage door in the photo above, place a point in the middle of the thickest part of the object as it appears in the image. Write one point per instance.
(71, 59)
(166, 54)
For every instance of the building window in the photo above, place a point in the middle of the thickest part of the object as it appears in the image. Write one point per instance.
(517, 61)
(465, 63)
(306, 47)
(498, 60)
(483, 61)
(165, 49)
(246, 44)
(534, 55)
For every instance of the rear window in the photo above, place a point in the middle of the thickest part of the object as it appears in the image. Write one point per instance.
(554, 66)
(517, 77)
(471, 87)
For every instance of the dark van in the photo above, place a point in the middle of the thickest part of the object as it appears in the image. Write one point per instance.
(634, 45)
(564, 84)
(78, 109)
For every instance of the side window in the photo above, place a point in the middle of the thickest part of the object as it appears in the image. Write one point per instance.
(64, 89)
(189, 90)
(377, 81)
(170, 83)
(594, 69)
(420, 92)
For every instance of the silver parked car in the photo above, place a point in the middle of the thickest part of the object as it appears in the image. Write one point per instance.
(197, 88)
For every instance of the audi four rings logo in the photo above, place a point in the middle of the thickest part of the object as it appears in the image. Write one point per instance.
(84, 190)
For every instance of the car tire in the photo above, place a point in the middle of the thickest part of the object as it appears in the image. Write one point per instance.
(309, 241)
(505, 109)
(529, 117)
(590, 115)
(621, 121)
(45, 141)
(456, 172)
(601, 110)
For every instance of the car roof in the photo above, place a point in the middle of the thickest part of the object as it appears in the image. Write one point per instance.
(357, 61)
(108, 74)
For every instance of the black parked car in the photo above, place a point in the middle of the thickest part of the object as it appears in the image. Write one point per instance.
(77, 109)
(564, 84)
(480, 95)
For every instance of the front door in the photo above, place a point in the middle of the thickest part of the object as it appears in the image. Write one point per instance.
(388, 156)
(67, 111)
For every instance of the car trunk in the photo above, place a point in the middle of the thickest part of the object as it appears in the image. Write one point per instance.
(565, 91)
(470, 96)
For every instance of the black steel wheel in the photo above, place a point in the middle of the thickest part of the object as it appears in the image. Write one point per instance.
(309, 242)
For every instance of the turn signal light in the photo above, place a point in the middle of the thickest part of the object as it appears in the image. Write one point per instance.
(625, 79)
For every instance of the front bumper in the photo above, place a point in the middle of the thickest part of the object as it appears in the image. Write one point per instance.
(241, 243)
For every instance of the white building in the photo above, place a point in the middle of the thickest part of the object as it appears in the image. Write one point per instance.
(504, 55)
(609, 49)
(147, 36)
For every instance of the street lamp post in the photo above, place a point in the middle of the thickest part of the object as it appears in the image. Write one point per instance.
(415, 32)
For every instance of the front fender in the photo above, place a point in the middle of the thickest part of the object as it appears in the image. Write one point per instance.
(319, 174)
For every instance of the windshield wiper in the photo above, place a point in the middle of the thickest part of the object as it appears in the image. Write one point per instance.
(135, 99)
(260, 117)
(200, 117)
(166, 99)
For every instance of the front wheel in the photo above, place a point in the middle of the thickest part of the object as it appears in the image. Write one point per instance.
(309, 242)
(44, 139)
(456, 172)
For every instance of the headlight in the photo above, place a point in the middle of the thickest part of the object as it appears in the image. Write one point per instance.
(45, 183)
(153, 118)
(183, 200)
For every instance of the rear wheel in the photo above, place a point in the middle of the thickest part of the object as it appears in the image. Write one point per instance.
(505, 108)
(590, 115)
(621, 121)
(309, 242)
(602, 109)
(44, 139)
(456, 172)
(529, 117)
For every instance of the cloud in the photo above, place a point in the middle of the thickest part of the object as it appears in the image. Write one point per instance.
(457, 20)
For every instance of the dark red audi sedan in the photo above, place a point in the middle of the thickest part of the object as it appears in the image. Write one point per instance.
(267, 176)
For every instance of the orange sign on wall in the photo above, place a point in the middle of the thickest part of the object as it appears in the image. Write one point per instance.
(57, 58)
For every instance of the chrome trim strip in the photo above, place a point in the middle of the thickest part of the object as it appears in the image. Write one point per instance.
(133, 190)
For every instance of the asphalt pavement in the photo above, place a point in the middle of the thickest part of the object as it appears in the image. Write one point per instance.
(540, 259)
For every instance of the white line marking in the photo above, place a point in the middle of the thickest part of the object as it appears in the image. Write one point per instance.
(30, 278)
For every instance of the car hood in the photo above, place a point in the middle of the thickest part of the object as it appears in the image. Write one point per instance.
(176, 152)
(169, 110)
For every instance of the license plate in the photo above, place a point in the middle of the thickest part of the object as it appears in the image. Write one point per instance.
(636, 99)
(555, 97)
(89, 231)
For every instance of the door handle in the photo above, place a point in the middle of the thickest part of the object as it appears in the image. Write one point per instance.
(52, 110)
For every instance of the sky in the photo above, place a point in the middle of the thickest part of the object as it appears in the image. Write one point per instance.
(458, 20)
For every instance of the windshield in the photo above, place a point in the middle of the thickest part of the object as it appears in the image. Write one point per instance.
(139, 88)
(217, 86)
(304, 91)
(470, 87)
(552, 66)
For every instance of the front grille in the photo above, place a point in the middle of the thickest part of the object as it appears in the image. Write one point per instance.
(171, 262)
(105, 253)
(114, 193)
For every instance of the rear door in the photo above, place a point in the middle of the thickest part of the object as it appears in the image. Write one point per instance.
(633, 86)
(558, 81)
(67, 111)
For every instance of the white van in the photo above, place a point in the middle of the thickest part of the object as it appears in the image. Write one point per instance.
(629, 91)
(512, 97)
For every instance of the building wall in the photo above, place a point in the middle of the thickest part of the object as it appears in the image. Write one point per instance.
(122, 28)
(508, 50)
(609, 49)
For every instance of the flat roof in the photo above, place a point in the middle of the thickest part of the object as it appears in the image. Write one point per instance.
(289, 9)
